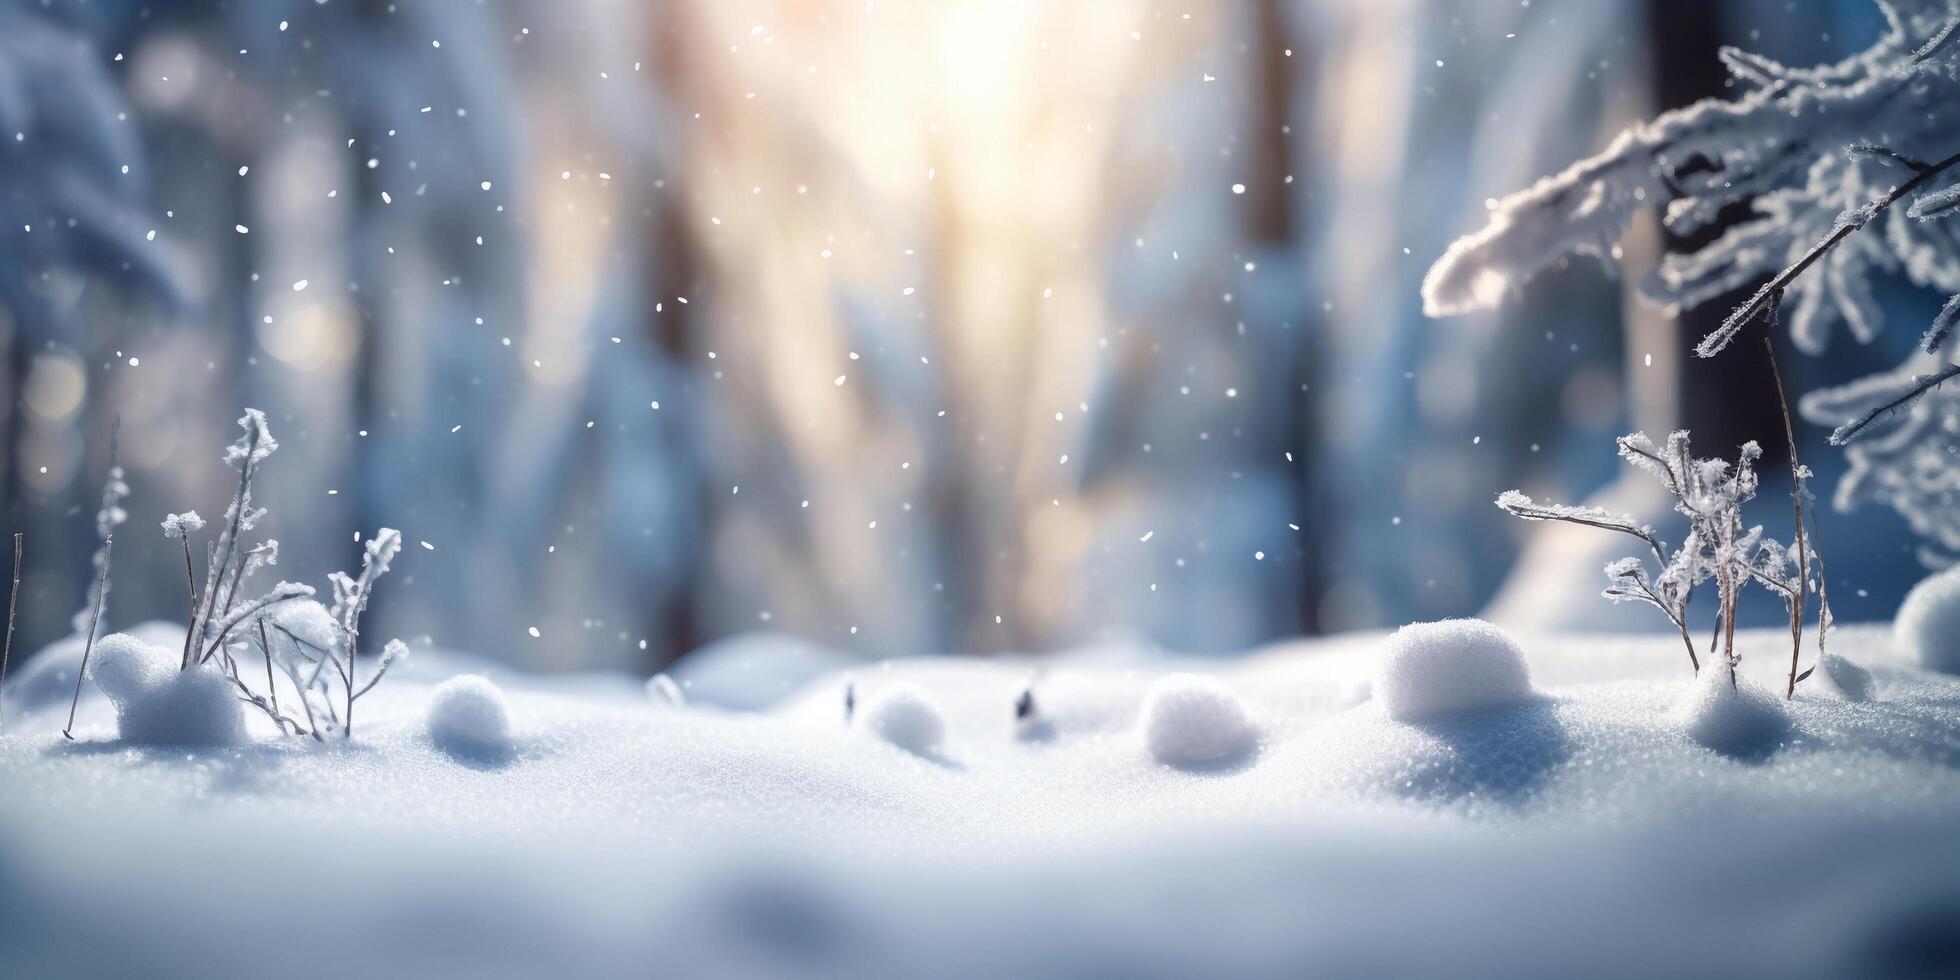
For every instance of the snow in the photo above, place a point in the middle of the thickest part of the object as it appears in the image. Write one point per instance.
(468, 717)
(1733, 716)
(308, 621)
(157, 703)
(906, 716)
(1193, 719)
(1434, 670)
(663, 692)
(1581, 833)
(1927, 626)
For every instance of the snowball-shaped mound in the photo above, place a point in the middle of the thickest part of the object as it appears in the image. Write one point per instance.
(1435, 670)
(1844, 678)
(467, 716)
(1734, 718)
(157, 703)
(1927, 628)
(308, 622)
(906, 716)
(1191, 719)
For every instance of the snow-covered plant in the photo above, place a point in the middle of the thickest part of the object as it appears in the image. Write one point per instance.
(1816, 155)
(226, 627)
(1710, 493)
(350, 600)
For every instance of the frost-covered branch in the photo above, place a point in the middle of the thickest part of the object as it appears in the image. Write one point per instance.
(1921, 384)
(1849, 221)
(1809, 156)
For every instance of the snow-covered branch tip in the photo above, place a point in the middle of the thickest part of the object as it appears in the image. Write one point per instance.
(1811, 156)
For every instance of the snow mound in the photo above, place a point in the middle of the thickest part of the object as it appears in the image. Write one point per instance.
(1435, 670)
(1927, 628)
(906, 716)
(754, 671)
(1194, 719)
(468, 717)
(1736, 718)
(158, 704)
(308, 622)
(664, 693)
(1845, 679)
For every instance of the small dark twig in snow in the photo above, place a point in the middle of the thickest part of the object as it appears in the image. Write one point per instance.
(101, 591)
(13, 598)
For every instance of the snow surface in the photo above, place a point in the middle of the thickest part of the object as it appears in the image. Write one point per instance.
(1927, 627)
(1194, 720)
(1434, 670)
(1579, 833)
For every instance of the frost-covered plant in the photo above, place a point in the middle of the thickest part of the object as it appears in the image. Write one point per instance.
(225, 627)
(1816, 155)
(350, 600)
(108, 517)
(1710, 493)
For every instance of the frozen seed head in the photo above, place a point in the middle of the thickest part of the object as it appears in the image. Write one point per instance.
(181, 525)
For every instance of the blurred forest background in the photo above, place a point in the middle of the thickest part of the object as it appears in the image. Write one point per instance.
(900, 326)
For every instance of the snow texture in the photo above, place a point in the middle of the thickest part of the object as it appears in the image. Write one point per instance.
(906, 716)
(1927, 627)
(1555, 839)
(1732, 716)
(1194, 719)
(468, 717)
(1434, 670)
(159, 704)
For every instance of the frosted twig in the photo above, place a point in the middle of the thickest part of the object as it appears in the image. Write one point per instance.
(286, 592)
(1921, 385)
(1847, 223)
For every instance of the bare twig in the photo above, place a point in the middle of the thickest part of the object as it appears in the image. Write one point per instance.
(265, 647)
(101, 590)
(13, 598)
(190, 576)
(1796, 603)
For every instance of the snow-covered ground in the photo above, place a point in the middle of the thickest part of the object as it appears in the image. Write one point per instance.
(1297, 830)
